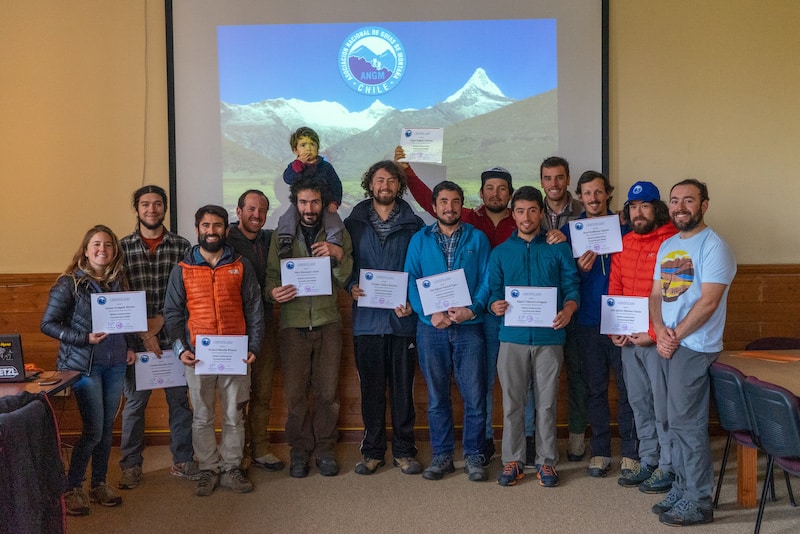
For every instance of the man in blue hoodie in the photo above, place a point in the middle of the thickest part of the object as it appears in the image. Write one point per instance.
(451, 343)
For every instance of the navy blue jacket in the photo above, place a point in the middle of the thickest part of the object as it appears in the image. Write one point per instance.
(368, 253)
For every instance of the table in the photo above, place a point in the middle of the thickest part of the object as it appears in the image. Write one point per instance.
(779, 367)
(67, 378)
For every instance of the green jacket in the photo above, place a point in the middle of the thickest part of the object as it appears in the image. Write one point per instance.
(307, 312)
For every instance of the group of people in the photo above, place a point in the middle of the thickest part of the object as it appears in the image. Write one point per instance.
(229, 281)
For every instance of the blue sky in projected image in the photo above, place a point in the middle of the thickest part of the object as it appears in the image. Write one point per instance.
(301, 61)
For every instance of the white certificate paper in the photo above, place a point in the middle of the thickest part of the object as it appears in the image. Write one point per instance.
(220, 355)
(531, 306)
(601, 235)
(443, 291)
(119, 313)
(624, 315)
(311, 276)
(423, 145)
(382, 289)
(153, 372)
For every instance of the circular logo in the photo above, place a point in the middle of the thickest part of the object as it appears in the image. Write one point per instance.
(290, 265)
(205, 341)
(369, 276)
(145, 358)
(372, 60)
(101, 300)
(515, 293)
(426, 284)
(408, 133)
(610, 302)
(579, 226)
(637, 189)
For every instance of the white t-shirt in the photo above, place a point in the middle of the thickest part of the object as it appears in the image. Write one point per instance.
(682, 267)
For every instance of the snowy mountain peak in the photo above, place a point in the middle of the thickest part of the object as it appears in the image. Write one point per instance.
(479, 82)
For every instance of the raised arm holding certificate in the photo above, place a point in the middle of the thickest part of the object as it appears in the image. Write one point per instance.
(531, 306)
(443, 291)
(601, 235)
(311, 276)
(119, 312)
(624, 316)
(423, 145)
(221, 355)
(382, 289)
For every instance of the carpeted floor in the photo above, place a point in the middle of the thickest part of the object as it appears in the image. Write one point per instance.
(389, 502)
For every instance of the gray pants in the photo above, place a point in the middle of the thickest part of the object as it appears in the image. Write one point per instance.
(688, 392)
(517, 366)
(645, 377)
(234, 390)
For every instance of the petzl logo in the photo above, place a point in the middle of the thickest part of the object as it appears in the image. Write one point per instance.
(101, 300)
(372, 60)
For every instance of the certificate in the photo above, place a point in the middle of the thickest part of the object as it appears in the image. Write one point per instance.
(220, 355)
(119, 313)
(443, 291)
(601, 235)
(382, 289)
(311, 276)
(531, 306)
(422, 145)
(624, 315)
(153, 372)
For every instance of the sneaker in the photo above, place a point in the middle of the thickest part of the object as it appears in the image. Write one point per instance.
(659, 482)
(76, 503)
(576, 448)
(685, 514)
(188, 470)
(627, 466)
(327, 467)
(547, 476)
(440, 464)
(473, 467)
(634, 475)
(130, 477)
(298, 468)
(206, 483)
(105, 495)
(408, 465)
(236, 480)
(367, 466)
(488, 450)
(269, 461)
(530, 451)
(599, 466)
(666, 504)
(512, 472)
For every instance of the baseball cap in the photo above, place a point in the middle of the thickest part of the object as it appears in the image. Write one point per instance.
(643, 191)
(496, 172)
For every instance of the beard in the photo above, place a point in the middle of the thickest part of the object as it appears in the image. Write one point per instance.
(155, 226)
(646, 228)
(215, 246)
(496, 208)
(693, 222)
(384, 200)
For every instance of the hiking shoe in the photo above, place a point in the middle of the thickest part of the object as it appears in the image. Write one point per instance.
(576, 448)
(487, 450)
(666, 504)
(130, 477)
(408, 465)
(473, 467)
(440, 464)
(659, 482)
(530, 451)
(685, 514)
(236, 480)
(599, 466)
(512, 472)
(105, 495)
(269, 461)
(627, 466)
(76, 502)
(327, 467)
(634, 476)
(206, 483)
(367, 466)
(298, 468)
(188, 470)
(547, 476)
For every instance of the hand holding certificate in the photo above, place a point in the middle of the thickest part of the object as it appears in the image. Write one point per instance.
(600, 235)
(423, 145)
(310, 276)
(442, 291)
(153, 372)
(119, 313)
(221, 355)
(531, 306)
(624, 316)
(382, 289)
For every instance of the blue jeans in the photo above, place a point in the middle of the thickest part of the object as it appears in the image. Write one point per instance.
(98, 396)
(456, 351)
(131, 443)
